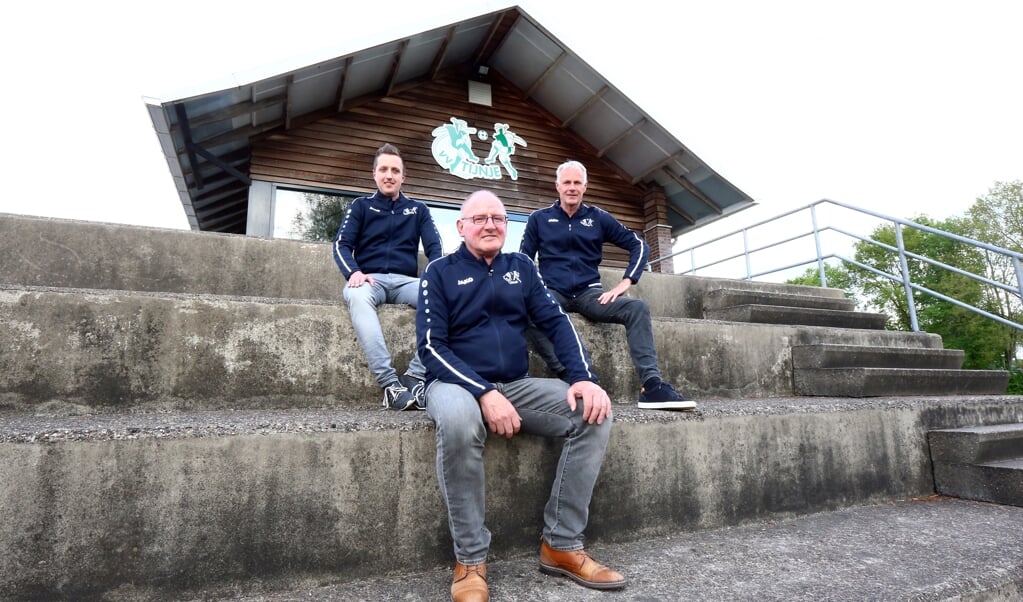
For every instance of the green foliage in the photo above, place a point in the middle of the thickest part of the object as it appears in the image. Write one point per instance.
(837, 276)
(1015, 382)
(982, 339)
(888, 295)
(995, 219)
(323, 216)
(985, 341)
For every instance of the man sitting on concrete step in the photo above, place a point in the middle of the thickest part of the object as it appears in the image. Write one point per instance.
(474, 307)
(377, 250)
(567, 239)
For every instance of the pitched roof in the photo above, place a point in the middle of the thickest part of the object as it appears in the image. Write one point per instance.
(205, 136)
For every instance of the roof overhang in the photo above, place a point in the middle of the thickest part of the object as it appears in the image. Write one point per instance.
(205, 137)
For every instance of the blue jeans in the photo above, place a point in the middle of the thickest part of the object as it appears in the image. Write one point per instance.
(461, 435)
(629, 311)
(362, 306)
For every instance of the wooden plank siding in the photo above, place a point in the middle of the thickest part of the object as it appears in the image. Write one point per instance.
(336, 152)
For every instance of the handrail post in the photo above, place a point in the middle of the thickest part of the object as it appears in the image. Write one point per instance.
(1019, 275)
(910, 302)
(745, 253)
(817, 243)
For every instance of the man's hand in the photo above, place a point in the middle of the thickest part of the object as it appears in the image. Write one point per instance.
(357, 279)
(500, 414)
(596, 403)
(616, 292)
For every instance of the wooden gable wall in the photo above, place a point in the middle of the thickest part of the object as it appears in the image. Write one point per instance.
(337, 151)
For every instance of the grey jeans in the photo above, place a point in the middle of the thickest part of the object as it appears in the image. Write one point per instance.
(362, 305)
(462, 434)
(633, 313)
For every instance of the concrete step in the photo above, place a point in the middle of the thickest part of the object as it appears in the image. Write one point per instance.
(997, 482)
(185, 500)
(871, 382)
(47, 252)
(59, 253)
(730, 297)
(977, 444)
(930, 548)
(863, 371)
(805, 316)
(120, 350)
(979, 463)
(808, 306)
(184, 319)
(844, 356)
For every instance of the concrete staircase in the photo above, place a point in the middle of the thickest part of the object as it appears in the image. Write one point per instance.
(909, 365)
(185, 412)
(979, 463)
(865, 371)
(772, 307)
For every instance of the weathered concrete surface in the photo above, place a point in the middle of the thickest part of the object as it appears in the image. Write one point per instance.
(689, 296)
(775, 314)
(48, 252)
(977, 444)
(120, 349)
(116, 350)
(723, 298)
(980, 462)
(38, 251)
(239, 441)
(174, 501)
(917, 550)
(118, 315)
(856, 381)
(840, 356)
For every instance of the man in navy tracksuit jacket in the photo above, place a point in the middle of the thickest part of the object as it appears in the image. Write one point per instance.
(377, 251)
(569, 238)
(474, 308)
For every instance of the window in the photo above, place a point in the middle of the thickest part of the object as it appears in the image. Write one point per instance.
(315, 214)
(309, 214)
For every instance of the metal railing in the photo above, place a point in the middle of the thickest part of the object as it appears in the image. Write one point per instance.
(819, 257)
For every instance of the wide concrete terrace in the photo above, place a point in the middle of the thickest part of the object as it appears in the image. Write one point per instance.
(188, 416)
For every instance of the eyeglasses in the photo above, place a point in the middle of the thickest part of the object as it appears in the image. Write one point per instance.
(479, 220)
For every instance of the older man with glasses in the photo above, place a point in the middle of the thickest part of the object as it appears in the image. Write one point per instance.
(474, 307)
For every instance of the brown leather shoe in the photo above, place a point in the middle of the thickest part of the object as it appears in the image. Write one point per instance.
(579, 567)
(470, 583)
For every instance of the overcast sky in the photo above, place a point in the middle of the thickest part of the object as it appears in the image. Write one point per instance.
(902, 107)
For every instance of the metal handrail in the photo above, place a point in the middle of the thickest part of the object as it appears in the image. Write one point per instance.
(820, 256)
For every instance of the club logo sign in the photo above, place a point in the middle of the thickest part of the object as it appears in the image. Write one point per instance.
(452, 149)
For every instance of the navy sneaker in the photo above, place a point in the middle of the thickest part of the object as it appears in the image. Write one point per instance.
(417, 388)
(659, 395)
(397, 397)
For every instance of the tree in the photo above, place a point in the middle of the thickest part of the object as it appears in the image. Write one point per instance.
(982, 339)
(323, 216)
(986, 343)
(997, 219)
